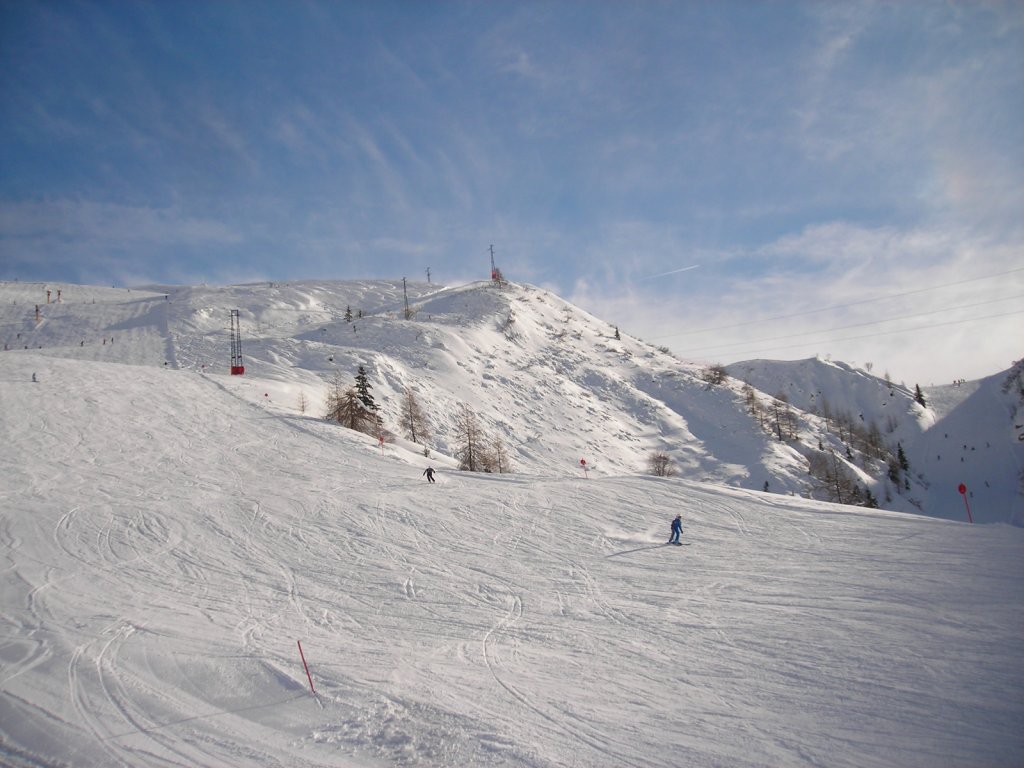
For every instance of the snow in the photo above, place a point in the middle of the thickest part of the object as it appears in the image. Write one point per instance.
(970, 433)
(170, 533)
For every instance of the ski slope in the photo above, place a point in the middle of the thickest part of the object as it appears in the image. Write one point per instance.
(169, 535)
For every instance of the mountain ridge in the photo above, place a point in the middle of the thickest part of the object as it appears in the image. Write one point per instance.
(549, 379)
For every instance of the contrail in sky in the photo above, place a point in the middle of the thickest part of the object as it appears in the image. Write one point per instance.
(673, 272)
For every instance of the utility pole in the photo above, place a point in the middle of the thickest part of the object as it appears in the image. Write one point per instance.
(408, 313)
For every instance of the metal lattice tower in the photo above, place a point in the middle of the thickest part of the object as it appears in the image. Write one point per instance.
(496, 275)
(237, 368)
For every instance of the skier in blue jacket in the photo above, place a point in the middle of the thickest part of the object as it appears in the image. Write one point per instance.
(677, 528)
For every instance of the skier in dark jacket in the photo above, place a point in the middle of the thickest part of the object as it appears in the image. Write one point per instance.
(429, 472)
(677, 528)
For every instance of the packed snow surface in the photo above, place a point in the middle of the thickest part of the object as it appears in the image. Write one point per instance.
(170, 534)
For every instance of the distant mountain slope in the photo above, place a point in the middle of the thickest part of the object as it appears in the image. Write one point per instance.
(978, 442)
(969, 432)
(546, 378)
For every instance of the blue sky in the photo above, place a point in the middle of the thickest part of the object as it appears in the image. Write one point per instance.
(728, 179)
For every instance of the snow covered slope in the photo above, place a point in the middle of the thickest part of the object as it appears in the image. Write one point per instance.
(166, 542)
(978, 440)
(168, 533)
(549, 380)
(970, 432)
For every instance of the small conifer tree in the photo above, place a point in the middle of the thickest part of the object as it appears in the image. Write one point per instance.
(363, 388)
(919, 396)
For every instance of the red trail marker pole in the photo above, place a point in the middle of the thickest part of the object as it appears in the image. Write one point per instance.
(306, 666)
(963, 492)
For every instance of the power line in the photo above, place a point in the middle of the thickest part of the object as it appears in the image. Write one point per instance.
(853, 325)
(837, 306)
(821, 342)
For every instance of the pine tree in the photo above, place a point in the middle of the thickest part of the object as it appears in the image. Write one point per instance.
(345, 407)
(894, 472)
(901, 457)
(919, 396)
(363, 388)
(354, 415)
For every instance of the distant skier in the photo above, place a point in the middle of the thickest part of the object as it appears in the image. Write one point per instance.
(34, 377)
(677, 528)
(429, 472)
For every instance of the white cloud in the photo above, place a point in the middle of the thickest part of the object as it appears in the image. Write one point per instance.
(822, 291)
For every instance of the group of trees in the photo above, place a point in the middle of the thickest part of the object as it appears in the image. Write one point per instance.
(715, 375)
(866, 445)
(355, 408)
(898, 469)
(474, 448)
(660, 464)
(776, 416)
(834, 480)
(831, 476)
(856, 433)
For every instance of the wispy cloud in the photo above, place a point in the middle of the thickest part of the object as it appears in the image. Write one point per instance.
(671, 272)
(949, 278)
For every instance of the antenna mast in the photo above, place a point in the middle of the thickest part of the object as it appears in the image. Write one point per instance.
(496, 275)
